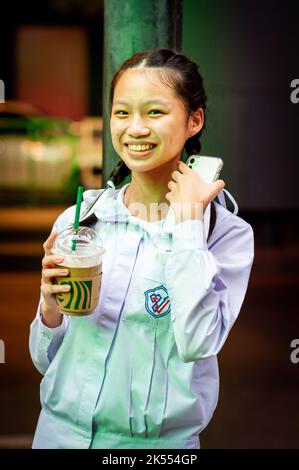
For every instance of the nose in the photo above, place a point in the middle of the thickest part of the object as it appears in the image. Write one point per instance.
(137, 127)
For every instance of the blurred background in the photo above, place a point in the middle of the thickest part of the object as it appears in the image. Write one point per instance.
(51, 139)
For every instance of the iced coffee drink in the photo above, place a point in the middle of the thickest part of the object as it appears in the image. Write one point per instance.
(83, 253)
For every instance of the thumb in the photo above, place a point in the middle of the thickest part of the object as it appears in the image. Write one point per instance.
(48, 245)
(219, 185)
(216, 188)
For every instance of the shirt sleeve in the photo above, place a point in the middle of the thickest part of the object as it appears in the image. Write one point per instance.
(207, 286)
(44, 342)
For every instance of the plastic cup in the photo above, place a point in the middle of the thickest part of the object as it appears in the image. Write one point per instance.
(85, 270)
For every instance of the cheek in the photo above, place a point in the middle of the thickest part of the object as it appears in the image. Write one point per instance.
(175, 132)
(116, 131)
(176, 139)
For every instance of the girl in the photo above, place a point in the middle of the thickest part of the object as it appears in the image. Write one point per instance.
(141, 371)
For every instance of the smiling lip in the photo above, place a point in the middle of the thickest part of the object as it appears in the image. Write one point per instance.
(139, 153)
(140, 143)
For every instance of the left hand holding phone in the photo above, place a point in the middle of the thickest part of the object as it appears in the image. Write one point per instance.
(189, 195)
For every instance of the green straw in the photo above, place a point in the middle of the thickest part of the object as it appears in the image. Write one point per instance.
(77, 214)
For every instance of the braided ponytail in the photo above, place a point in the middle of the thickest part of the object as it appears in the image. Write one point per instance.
(193, 145)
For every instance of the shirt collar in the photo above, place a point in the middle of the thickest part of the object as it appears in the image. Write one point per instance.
(111, 208)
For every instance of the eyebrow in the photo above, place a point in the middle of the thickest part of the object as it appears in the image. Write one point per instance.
(152, 101)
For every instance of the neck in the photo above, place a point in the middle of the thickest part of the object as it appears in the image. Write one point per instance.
(148, 189)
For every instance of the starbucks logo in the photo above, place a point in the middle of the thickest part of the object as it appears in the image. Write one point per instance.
(79, 297)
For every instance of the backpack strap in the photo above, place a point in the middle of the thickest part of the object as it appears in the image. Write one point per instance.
(212, 219)
(91, 220)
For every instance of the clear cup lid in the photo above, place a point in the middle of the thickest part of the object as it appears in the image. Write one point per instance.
(83, 245)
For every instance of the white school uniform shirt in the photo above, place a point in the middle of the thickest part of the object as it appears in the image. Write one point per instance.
(141, 371)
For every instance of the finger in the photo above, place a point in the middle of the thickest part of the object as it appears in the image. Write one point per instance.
(50, 289)
(183, 168)
(48, 245)
(171, 185)
(51, 260)
(48, 274)
(216, 188)
(176, 175)
(220, 184)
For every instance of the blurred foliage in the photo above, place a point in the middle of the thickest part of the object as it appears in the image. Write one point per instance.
(45, 130)
(36, 127)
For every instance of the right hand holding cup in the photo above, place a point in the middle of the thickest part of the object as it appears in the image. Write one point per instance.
(51, 314)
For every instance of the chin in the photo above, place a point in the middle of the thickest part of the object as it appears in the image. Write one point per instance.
(139, 165)
(140, 168)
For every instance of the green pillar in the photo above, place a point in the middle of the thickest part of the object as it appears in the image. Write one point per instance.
(131, 26)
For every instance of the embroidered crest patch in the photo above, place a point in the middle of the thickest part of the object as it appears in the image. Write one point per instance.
(157, 301)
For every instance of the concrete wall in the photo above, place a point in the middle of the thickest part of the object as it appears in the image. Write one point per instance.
(247, 56)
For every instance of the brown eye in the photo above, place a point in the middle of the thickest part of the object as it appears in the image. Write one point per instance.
(156, 111)
(120, 113)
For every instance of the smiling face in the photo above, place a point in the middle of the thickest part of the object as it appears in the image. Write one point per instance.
(149, 123)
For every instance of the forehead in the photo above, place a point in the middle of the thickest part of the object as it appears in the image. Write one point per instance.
(142, 84)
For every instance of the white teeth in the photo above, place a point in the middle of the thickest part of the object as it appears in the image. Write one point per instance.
(140, 148)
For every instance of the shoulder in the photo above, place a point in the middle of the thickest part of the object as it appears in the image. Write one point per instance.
(90, 195)
(229, 225)
(67, 216)
(232, 240)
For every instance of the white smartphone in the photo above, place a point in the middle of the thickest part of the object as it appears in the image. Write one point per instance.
(208, 168)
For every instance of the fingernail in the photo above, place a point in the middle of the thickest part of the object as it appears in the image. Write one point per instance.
(66, 287)
(59, 259)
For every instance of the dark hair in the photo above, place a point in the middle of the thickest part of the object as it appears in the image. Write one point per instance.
(179, 73)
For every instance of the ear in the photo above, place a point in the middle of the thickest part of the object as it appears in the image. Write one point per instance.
(195, 122)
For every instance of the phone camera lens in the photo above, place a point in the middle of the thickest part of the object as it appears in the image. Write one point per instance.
(192, 160)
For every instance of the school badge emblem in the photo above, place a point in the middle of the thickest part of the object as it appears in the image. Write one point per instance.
(157, 301)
